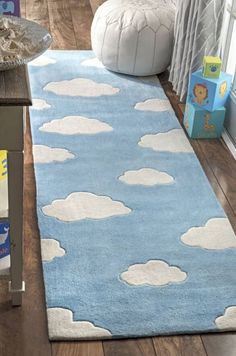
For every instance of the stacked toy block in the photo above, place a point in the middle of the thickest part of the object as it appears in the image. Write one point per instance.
(208, 92)
(4, 224)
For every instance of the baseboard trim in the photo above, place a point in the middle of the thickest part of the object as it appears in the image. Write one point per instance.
(229, 143)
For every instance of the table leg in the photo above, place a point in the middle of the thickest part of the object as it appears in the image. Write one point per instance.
(15, 188)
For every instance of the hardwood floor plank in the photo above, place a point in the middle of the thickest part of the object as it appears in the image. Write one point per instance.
(61, 26)
(179, 346)
(82, 348)
(82, 16)
(213, 180)
(220, 344)
(95, 4)
(224, 167)
(37, 10)
(129, 347)
(23, 8)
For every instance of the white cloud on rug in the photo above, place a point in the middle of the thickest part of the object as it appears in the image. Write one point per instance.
(92, 62)
(50, 249)
(157, 105)
(153, 273)
(42, 61)
(84, 205)
(217, 234)
(75, 125)
(81, 87)
(45, 154)
(146, 176)
(173, 141)
(40, 104)
(228, 320)
(62, 326)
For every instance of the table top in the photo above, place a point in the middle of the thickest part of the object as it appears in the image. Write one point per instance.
(15, 88)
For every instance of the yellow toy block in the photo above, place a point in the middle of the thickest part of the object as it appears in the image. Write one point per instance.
(211, 67)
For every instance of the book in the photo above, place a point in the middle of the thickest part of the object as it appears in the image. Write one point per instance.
(4, 224)
(4, 239)
(3, 185)
(10, 7)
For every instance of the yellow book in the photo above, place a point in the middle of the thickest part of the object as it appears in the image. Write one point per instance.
(3, 185)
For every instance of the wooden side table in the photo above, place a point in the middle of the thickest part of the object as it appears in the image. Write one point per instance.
(14, 98)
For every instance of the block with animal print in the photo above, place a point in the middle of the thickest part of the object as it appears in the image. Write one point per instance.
(201, 123)
(211, 67)
(208, 93)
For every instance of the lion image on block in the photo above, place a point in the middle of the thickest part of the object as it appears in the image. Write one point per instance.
(201, 93)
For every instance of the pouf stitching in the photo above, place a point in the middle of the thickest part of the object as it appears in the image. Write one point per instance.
(117, 57)
(147, 25)
(103, 41)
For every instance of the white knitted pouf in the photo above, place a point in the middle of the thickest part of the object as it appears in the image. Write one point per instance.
(134, 36)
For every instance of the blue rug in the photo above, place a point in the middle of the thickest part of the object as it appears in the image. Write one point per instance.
(134, 242)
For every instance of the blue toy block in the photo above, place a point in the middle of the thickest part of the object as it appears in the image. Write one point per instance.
(201, 123)
(209, 93)
(4, 239)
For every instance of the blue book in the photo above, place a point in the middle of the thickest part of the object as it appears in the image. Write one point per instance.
(4, 239)
(10, 7)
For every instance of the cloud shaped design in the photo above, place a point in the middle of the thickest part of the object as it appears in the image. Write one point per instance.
(84, 205)
(50, 249)
(173, 141)
(45, 154)
(75, 125)
(92, 62)
(40, 104)
(157, 105)
(42, 61)
(228, 320)
(146, 176)
(153, 273)
(62, 326)
(217, 234)
(81, 87)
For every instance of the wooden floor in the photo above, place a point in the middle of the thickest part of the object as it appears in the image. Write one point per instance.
(23, 331)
